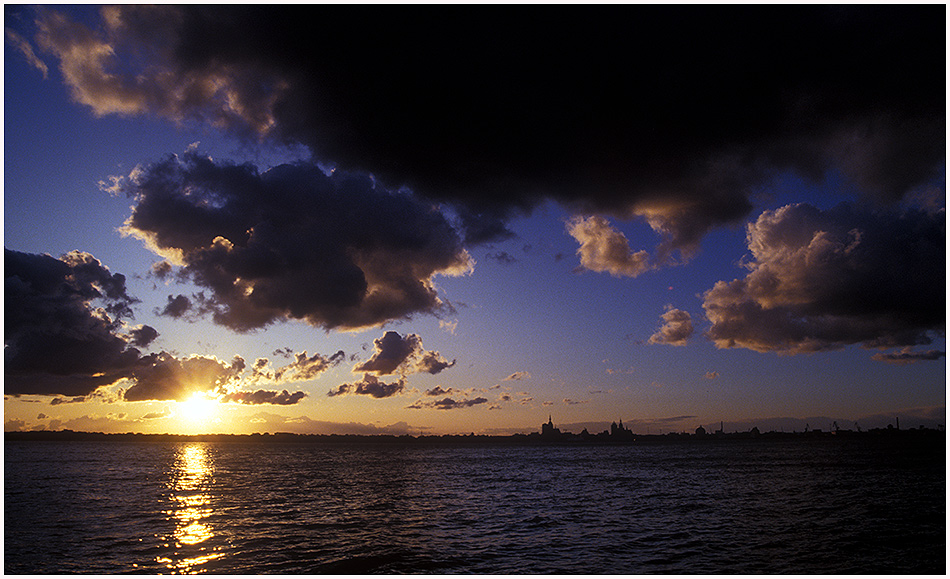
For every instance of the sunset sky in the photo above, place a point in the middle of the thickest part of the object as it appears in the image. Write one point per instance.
(452, 220)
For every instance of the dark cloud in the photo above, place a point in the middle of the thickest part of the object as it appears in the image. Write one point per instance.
(448, 404)
(439, 391)
(164, 413)
(336, 251)
(57, 401)
(162, 376)
(405, 354)
(908, 356)
(177, 307)
(392, 351)
(370, 386)
(433, 363)
(284, 398)
(142, 336)
(676, 330)
(586, 110)
(63, 327)
(821, 280)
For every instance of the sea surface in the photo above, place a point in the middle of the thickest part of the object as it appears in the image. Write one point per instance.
(827, 505)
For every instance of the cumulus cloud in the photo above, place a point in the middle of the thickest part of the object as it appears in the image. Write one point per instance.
(821, 280)
(63, 327)
(604, 249)
(370, 386)
(405, 354)
(439, 391)
(519, 133)
(676, 330)
(908, 356)
(335, 251)
(447, 404)
(163, 376)
(64, 335)
(283, 398)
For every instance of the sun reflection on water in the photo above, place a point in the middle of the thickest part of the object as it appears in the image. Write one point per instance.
(192, 475)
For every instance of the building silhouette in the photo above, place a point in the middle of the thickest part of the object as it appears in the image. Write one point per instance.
(548, 430)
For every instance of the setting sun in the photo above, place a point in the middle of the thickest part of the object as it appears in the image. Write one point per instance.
(198, 408)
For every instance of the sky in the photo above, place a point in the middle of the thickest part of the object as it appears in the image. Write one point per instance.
(438, 220)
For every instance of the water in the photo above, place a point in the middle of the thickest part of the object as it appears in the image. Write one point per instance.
(801, 506)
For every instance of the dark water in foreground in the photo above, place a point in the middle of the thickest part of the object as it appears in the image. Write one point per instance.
(801, 506)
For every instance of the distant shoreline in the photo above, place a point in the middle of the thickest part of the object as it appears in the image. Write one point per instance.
(928, 435)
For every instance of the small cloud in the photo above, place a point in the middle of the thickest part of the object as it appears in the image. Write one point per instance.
(283, 398)
(58, 400)
(403, 354)
(370, 386)
(677, 328)
(908, 356)
(521, 375)
(164, 413)
(711, 375)
(26, 49)
(605, 249)
(502, 257)
(571, 402)
(447, 404)
(547, 403)
(449, 327)
(440, 391)
(41, 416)
(176, 307)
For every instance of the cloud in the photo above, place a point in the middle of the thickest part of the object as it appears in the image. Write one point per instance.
(164, 413)
(604, 249)
(502, 257)
(449, 327)
(292, 243)
(711, 375)
(301, 369)
(685, 155)
(177, 306)
(370, 386)
(63, 327)
(519, 375)
(676, 330)
(163, 376)
(25, 48)
(264, 397)
(571, 402)
(448, 404)
(57, 401)
(439, 391)
(405, 354)
(822, 280)
(908, 356)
